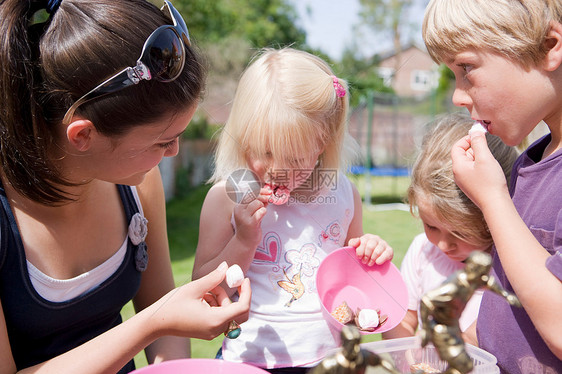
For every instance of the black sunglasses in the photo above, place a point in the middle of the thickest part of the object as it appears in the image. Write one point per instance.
(162, 58)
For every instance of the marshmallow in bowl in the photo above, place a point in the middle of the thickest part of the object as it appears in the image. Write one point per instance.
(478, 126)
(367, 318)
(234, 276)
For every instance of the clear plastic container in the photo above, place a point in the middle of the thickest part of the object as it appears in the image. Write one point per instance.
(199, 365)
(404, 352)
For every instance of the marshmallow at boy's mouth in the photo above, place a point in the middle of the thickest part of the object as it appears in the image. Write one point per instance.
(478, 126)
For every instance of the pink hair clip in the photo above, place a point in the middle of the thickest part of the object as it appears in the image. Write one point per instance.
(340, 91)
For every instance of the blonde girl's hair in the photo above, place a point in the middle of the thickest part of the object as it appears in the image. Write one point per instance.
(515, 29)
(432, 178)
(285, 106)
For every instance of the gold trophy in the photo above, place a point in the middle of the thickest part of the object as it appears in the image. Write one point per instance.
(350, 358)
(441, 308)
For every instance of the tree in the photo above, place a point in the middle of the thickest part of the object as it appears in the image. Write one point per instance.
(262, 23)
(230, 31)
(387, 16)
(361, 74)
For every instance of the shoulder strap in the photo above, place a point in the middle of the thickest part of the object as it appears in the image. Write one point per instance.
(4, 225)
(129, 202)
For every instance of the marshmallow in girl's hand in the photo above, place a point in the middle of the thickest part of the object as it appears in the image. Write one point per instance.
(368, 318)
(234, 276)
(478, 126)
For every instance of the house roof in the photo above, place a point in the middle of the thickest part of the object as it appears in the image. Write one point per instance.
(385, 55)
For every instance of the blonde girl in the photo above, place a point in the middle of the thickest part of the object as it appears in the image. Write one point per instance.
(453, 224)
(288, 128)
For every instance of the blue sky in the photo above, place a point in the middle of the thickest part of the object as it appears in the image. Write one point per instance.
(329, 25)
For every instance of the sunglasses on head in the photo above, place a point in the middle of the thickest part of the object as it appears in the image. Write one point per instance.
(162, 58)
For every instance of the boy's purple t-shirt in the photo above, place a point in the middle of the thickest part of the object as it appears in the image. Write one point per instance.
(507, 332)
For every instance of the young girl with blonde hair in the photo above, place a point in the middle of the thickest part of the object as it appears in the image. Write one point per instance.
(288, 127)
(453, 224)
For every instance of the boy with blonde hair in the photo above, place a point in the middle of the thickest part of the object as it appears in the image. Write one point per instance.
(506, 56)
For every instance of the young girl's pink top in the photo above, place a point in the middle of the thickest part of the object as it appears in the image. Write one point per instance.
(286, 327)
(424, 268)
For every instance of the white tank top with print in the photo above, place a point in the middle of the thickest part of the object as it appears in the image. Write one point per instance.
(286, 327)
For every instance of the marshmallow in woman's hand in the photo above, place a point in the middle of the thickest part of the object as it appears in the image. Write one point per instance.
(368, 318)
(478, 126)
(234, 276)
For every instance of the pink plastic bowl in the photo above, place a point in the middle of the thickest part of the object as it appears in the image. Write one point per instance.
(199, 365)
(343, 277)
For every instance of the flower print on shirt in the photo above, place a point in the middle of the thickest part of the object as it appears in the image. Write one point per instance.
(300, 272)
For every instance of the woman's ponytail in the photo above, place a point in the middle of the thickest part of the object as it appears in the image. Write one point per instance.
(23, 138)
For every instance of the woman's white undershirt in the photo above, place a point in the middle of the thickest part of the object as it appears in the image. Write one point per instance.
(59, 290)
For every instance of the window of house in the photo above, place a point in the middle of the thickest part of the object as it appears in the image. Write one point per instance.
(421, 80)
(386, 75)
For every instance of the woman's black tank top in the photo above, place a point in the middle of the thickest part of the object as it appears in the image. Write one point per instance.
(39, 329)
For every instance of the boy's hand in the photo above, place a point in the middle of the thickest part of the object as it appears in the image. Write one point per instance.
(476, 170)
(371, 249)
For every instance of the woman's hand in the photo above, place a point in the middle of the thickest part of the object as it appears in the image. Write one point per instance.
(200, 309)
(371, 249)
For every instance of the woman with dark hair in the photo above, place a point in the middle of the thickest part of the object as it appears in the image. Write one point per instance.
(91, 99)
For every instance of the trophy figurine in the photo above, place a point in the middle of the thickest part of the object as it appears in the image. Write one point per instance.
(441, 308)
(350, 358)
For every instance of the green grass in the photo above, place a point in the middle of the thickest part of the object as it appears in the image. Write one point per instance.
(383, 190)
(397, 227)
